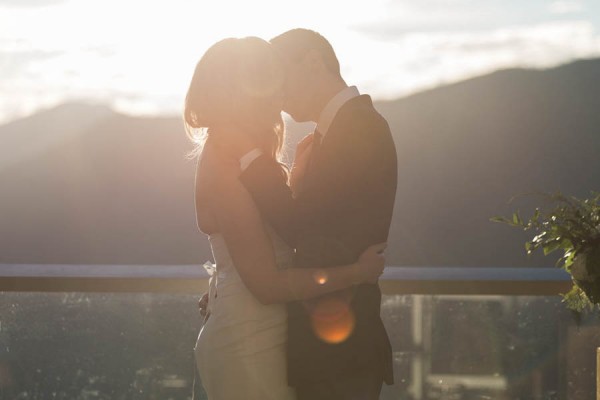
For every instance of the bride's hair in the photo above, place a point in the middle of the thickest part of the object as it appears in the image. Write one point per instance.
(237, 83)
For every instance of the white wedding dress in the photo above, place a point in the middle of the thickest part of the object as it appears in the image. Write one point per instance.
(240, 351)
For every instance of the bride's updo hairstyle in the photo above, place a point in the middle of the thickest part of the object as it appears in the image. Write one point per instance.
(237, 84)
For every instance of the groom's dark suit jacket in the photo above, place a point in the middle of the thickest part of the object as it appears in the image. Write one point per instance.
(345, 205)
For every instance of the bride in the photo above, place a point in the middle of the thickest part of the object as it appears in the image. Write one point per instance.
(235, 97)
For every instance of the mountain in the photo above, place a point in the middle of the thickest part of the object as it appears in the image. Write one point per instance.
(118, 190)
(82, 184)
(465, 149)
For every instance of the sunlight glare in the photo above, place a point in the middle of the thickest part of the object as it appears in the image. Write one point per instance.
(320, 277)
(332, 320)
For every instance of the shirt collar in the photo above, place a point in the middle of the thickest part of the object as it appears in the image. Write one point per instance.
(333, 106)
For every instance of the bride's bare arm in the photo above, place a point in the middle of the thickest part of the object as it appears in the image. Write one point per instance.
(252, 252)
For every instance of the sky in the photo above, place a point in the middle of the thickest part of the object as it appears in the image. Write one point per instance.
(138, 56)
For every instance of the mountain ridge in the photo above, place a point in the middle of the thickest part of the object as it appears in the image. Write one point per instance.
(84, 184)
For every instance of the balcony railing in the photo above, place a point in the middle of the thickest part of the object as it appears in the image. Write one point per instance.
(127, 332)
(193, 279)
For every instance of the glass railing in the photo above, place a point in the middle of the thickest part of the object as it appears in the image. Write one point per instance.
(127, 332)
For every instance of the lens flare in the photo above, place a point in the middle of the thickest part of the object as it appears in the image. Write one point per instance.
(320, 277)
(332, 320)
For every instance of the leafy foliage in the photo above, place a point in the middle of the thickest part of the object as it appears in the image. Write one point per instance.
(573, 226)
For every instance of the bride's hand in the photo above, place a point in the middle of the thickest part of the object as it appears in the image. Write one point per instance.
(371, 263)
(303, 151)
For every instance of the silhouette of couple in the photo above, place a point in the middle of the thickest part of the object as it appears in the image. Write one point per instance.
(293, 308)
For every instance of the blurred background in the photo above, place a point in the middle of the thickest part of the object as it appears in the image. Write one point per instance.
(485, 99)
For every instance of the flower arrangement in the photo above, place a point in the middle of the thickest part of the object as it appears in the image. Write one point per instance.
(573, 226)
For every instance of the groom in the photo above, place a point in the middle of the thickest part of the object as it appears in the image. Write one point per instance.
(337, 345)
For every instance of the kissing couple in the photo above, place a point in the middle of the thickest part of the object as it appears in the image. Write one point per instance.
(293, 308)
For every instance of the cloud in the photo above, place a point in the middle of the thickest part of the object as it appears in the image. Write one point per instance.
(389, 48)
(29, 3)
(415, 61)
(14, 63)
(565, 7)
(32, 78)
(401, 17)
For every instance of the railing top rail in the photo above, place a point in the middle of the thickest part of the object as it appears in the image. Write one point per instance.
(102, 271)
(193, 279)
(198, 272)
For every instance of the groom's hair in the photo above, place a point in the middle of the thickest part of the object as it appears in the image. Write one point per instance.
(295, 43)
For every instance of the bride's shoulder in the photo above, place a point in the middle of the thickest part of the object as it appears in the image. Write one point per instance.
(212, 185)
(216, 169)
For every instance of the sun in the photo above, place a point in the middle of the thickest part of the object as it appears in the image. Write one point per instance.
(138, 56)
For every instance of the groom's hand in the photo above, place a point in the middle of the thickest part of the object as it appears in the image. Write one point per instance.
(371, 263)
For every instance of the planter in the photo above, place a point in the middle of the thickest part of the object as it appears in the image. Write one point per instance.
(586, 273)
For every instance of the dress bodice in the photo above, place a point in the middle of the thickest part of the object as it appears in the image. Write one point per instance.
(240, 351)
(224, 276)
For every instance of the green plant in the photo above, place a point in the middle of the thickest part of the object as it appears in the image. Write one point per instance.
(573, 226)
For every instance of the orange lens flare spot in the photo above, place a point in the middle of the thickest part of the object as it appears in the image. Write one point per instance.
(320, 277)
(332, 321)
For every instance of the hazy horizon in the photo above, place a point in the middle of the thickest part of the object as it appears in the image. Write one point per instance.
(138, 57)
(177, 113)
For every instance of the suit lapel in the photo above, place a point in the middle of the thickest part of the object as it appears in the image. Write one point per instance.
(330, 145)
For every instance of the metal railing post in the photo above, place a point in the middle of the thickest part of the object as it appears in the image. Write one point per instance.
(598, 373)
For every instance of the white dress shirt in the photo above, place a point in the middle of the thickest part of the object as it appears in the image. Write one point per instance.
(250, 156)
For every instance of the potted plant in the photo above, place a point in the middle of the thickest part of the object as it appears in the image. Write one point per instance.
(573, 226)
